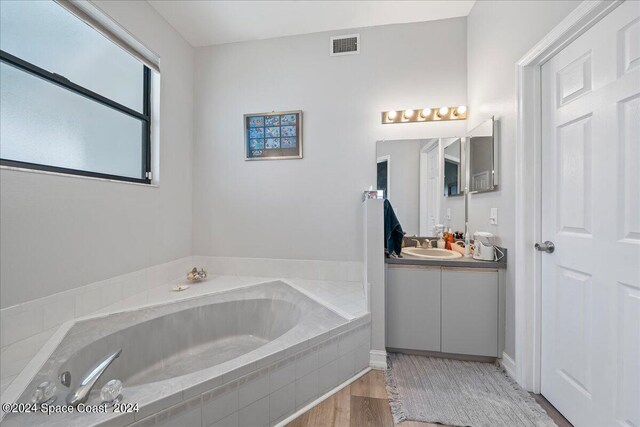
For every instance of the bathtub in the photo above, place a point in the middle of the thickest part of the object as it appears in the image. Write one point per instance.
(258, 347)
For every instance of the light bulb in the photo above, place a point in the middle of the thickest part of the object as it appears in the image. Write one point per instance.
(443, 111)
(425, 113)
(461, 110)
(391, 115)
(408, 114)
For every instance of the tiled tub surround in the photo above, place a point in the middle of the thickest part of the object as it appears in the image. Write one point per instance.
(27, 327)
(279, 351)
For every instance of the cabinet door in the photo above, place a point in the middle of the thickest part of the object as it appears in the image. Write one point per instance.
(470, 311)
(413, 308)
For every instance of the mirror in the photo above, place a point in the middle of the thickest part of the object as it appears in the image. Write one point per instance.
(421, 178)
(483, 158)
(453, 167)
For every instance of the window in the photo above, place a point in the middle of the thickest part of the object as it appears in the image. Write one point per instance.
(72, 101)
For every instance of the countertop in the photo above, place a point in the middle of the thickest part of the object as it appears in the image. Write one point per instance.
(464, 262)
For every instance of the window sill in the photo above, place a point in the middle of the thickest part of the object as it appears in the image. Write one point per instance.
(68, 175)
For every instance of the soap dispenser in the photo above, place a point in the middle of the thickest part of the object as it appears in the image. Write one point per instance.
(441, 242)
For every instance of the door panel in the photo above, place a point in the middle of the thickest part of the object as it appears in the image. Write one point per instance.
(591, 211)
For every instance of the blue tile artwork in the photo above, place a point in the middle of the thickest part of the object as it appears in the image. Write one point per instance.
(288, 131)
(272, 121)
(272, 143)
(256, 121)
(273, 135)
(273, 132)
(256, 144)
(289, 142)
(256, 132)
(288, 119)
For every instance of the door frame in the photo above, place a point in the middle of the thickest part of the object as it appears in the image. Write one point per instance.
(528, 265)
(422, 199)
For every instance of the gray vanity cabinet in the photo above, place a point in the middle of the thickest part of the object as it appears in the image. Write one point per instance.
(470, 311)
(413, 301)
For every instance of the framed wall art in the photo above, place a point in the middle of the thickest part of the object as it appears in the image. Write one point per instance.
(271, 136)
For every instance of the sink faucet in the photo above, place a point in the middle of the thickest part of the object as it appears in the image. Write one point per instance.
(418, 244)
(81, 394)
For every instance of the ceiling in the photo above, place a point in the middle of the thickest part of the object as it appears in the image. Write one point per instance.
(204, 23)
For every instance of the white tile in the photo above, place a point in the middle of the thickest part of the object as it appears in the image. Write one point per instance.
(20, 322)
(219, 403)
(346, 343)
(306, 389)
(230, 421)
(282, 402)
(327, 377)
(306, 362)
(282, 374)
(187, 414)
(346, 366)
(253, 387)
(327, 352)
(255, 415)
(361, 357)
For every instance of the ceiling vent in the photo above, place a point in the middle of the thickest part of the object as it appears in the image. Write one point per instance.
(344, 45)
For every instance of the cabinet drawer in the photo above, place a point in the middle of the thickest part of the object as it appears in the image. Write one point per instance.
(470, 312)
(413, 308)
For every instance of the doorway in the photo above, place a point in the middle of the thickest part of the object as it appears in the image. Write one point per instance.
(578, 303)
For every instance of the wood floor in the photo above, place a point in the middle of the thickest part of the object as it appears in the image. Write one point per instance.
(364, 403)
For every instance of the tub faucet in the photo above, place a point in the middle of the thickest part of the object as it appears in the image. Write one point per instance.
(81, 394)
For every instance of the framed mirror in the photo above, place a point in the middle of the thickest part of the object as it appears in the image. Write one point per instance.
(421, 178)
(483, 157)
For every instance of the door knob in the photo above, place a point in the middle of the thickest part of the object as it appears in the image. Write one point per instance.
(547, 247)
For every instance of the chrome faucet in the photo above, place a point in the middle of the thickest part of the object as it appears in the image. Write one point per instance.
(81, 394)
(418, 244)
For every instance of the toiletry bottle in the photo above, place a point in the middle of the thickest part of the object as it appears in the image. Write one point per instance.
(441, 242)
(449, 240)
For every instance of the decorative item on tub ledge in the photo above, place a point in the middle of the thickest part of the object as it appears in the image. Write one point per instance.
(437, 114)
(275, 135)
(195, 276)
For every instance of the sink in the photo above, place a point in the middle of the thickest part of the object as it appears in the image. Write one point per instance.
(432, 253)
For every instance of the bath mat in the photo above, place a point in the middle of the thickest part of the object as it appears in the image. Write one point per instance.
(458, 393)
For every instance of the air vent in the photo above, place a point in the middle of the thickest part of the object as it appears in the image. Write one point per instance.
(345, 45)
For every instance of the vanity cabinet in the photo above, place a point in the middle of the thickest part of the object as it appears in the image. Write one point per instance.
(413, 302)
(449, 310)
(470, 311)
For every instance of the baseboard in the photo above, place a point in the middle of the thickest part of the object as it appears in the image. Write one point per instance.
(321, 399)
(509, 365)
(378, 359)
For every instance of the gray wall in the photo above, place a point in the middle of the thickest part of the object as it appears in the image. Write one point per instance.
(405, 180)
(310, 208)
(59, 232)
(499, 33)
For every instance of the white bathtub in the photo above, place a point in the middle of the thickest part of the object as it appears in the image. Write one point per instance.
(178, 357)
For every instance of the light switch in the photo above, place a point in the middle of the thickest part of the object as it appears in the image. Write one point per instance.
(493, 216)
(448, 213)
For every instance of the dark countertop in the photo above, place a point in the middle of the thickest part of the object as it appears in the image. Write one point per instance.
(465, 262)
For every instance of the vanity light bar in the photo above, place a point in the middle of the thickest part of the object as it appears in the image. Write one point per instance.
(438, 114)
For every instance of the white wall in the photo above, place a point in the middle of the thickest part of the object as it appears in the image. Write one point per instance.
(499, 33)
(59, 233)
(310, 208)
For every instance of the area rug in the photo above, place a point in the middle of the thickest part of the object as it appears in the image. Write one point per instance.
(458, 393)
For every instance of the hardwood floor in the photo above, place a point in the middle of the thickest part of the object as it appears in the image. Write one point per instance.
(364, 403)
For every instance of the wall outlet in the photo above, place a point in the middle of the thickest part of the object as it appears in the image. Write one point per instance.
(493, 216)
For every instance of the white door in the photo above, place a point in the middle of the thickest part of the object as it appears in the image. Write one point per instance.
(591, 211)
(433, 194)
